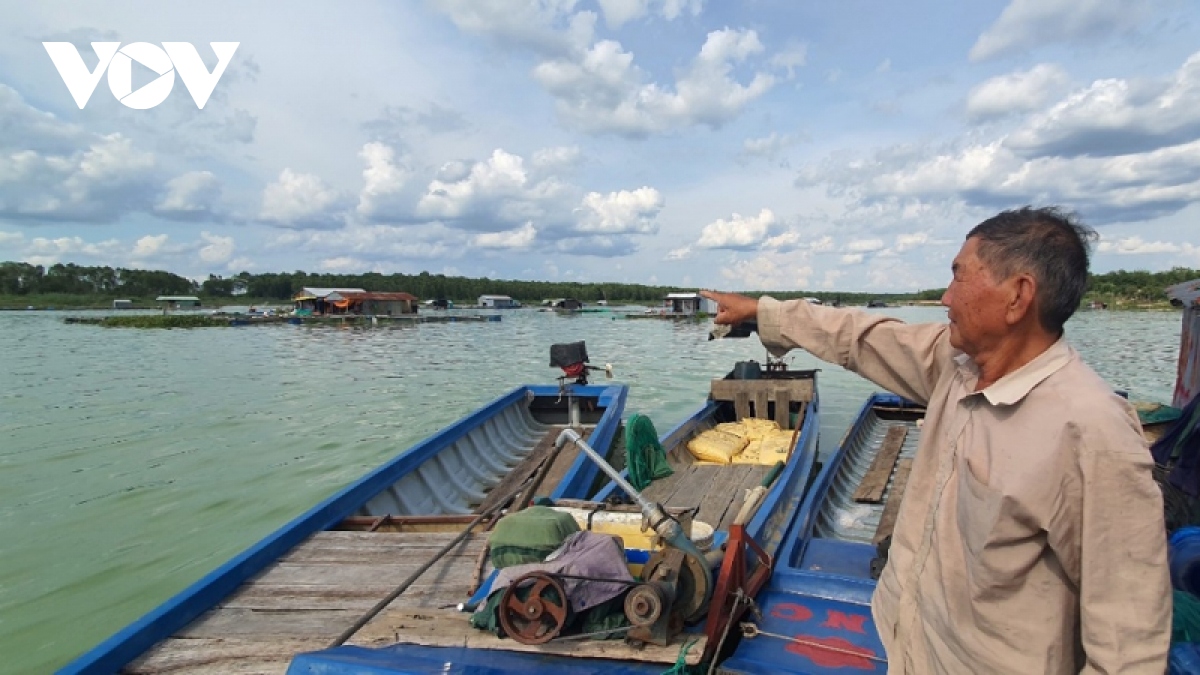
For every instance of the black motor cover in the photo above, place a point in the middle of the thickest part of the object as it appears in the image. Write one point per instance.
(568, 354)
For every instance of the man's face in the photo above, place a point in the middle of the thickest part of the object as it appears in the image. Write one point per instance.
(976, 303)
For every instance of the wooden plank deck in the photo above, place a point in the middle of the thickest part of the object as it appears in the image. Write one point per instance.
(887, 522)
(718, 490)
(324, 585)
(871, 488)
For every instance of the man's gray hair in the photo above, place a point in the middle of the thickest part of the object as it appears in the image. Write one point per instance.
(1048, 243)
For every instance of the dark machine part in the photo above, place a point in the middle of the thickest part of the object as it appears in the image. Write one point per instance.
(541, 616)
(693, 580)
(881, 557)
(568, 354)
(572, 358)
(655, 607)
(646, 603)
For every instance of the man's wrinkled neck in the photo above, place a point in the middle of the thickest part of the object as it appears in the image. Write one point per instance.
(1010, 354)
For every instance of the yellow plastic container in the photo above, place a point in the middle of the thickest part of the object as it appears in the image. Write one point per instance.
(628, 526)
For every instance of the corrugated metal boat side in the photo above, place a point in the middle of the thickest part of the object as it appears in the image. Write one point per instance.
(130, 642)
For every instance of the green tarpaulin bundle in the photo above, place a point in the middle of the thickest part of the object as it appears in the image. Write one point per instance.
(529, 535)
(646, 459)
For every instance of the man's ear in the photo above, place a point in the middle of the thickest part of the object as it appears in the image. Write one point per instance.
(1022, 300)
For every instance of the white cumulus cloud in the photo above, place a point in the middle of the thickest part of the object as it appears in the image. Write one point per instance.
(601, 90)
(384, 179)
(864, 245)
(620, 12)
(299, 200)
(149, 245)
(519, 238)
(1116, 116)
(1136, 246)
(739, 232)
(215, 249)
(1021, 91)
(625, 211)
(189, 196)
(1025, 24)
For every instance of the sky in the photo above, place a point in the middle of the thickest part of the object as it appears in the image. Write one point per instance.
(758, 144)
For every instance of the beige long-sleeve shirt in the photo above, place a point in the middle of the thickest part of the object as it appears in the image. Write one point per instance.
(1031, 536)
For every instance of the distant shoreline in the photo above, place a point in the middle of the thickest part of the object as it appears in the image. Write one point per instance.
(6, 305)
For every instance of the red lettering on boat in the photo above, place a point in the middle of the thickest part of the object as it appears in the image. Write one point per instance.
(791, 611)
(851, 622)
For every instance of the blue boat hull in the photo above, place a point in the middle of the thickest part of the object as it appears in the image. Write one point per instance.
(770, 527)
(606, 406)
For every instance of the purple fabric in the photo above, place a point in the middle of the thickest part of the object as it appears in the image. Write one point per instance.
(586, 554)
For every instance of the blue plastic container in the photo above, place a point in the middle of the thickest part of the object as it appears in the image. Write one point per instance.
(1183, 555)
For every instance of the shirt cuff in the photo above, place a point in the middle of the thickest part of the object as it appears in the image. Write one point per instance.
(770, 330)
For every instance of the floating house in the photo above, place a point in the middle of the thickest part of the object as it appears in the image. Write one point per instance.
(122, 304)
(312, 300)
(178, 301)
(497, 302)
(372, 303)
(565, 304)
(687, 304)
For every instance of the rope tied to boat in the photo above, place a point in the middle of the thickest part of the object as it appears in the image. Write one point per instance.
(680, 667)
(751, 630)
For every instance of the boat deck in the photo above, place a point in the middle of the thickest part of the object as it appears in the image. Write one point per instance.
(313, 594)
(324, 586)
(309, 597)
(716, 491)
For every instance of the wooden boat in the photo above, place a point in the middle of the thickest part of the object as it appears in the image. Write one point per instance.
(432, 635)
(816, 609)
(299, 587)
(279, 606)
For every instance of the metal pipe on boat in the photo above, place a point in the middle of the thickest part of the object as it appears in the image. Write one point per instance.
(667, 527)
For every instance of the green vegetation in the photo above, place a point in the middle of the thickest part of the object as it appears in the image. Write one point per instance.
(156, 321)
(73, 286)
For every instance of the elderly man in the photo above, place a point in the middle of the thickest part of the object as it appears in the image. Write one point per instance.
(1031, 537)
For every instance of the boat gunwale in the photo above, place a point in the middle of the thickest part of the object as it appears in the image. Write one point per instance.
(134, 639)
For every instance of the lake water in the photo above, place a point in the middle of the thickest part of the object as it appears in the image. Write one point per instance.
(132, 462)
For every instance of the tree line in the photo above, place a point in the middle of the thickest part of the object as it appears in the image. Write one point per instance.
(21, 279)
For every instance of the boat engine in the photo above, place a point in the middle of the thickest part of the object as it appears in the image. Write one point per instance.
(572, 358)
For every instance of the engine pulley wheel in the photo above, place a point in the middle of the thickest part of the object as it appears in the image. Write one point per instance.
(541, 615)
(643, 605)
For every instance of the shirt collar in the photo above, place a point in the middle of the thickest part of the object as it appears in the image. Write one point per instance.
(1016, 385)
